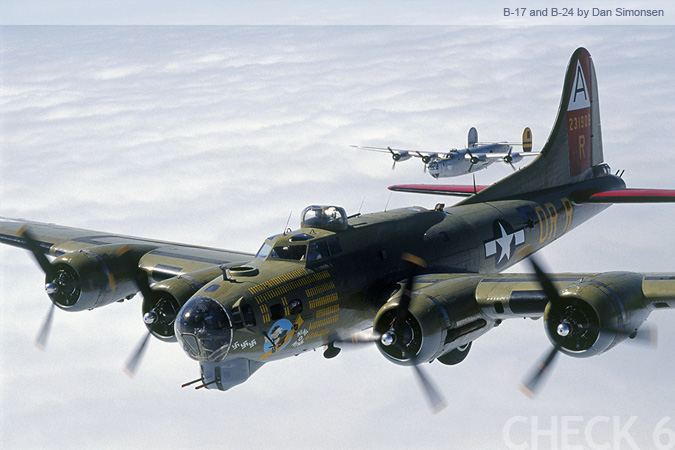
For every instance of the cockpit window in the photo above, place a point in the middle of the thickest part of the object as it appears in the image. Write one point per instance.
(323, 249)
(291, 252)
(264, 251)
(317, 250)
(334, 245)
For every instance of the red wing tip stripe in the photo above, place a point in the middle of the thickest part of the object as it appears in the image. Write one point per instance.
(460, 190)
(634, 196)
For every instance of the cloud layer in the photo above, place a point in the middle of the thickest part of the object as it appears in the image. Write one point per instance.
(213, 135)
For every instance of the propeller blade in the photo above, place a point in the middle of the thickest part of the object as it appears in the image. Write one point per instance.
(393, 166)
(33, 246)
(436, 400)
(531, 386)
(142, 282)
(362, 337)
(132, 364)
(43, 335)
(404, 302)
(546, 284)
(472, 158)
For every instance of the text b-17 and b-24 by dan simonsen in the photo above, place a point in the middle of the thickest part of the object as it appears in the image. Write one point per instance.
(427, 282)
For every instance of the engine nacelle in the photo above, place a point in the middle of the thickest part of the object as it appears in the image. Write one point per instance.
(596, 314)
(92, 277)
(441, 317)
(513, 158)
(159, 312)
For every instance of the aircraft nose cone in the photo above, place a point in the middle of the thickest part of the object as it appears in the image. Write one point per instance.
(204, 329)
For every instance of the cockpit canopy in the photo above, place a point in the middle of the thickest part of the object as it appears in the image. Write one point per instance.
(325, 217)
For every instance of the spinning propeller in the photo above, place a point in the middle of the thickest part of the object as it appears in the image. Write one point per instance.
(59, 283)
(398, 156)
(568, 323)
(426, 159)
(143, 284)
(397, 334)
(508, 159)
(32, 244)
(162, 313)
(530, 386)
(474, 159)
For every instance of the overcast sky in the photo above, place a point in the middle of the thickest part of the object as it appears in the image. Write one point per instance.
(213, 135)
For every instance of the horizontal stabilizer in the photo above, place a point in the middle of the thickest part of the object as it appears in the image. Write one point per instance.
(438, 189)
(629, 196)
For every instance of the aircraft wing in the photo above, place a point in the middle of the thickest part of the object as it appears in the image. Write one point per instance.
(585, 314)
(516, 295)
(160, 259)
(440, 189)
(502, 155)
(510, 295)
(414, 153)
(628, 196)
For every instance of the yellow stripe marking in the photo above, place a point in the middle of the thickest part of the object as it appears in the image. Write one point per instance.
(311, 292)
(322, 301)
(327, 311)
(323, 322)
(291, 284)
(316, 334)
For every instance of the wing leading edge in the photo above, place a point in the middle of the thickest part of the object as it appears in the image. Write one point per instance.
(455, 190)
(627, 195)
(166, 259)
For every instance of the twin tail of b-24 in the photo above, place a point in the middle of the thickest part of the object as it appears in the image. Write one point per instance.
(476, 156)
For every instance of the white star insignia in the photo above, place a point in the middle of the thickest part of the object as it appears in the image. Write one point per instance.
(500, 246)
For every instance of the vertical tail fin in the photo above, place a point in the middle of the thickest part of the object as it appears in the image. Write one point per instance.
(472, 137)
(527, 140)
(574, 145)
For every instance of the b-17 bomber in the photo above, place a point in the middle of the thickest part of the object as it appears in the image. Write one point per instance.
(422, 284)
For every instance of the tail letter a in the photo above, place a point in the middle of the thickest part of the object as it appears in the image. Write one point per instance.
(579, 117)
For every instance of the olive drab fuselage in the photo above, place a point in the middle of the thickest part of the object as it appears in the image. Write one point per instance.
(282, 306)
